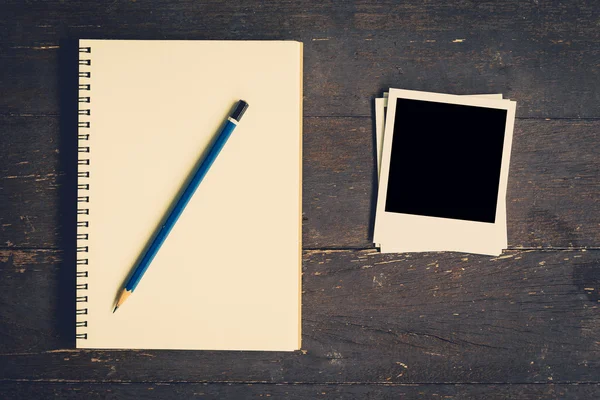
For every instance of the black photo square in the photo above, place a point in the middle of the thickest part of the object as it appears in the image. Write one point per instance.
(445, 160)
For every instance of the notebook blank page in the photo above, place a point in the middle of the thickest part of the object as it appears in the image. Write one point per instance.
(228, 275)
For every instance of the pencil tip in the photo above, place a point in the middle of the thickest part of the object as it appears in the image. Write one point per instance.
(124, 295)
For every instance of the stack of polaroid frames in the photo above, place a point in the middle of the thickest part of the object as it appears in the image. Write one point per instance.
(443, 165)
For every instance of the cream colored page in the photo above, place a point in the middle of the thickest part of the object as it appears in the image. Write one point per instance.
(227, 277)
(493, 248)
(415, 232)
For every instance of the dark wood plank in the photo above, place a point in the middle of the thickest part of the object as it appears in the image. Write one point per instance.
(553, 193)
(544, 55)
(25, 277)
(29, 77)
(30, 173)
(553, 187)
(44, 390)
(525, 317)
(575, 19)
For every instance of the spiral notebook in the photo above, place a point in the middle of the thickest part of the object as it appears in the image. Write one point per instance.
(228, 277)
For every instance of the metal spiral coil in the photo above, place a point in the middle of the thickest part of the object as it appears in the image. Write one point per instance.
(83, 187)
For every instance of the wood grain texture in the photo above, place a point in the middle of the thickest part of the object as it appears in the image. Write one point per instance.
(545, 55)
(553, 188)
(166, 390)
(432, 325)
(524, 317)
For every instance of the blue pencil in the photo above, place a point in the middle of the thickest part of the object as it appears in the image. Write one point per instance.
(163, 231)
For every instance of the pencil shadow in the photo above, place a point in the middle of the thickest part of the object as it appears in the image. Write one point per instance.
(66, 285)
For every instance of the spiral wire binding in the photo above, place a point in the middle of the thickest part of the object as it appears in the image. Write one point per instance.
(83, 187)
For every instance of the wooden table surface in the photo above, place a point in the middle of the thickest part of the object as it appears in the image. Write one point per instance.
(523, 325)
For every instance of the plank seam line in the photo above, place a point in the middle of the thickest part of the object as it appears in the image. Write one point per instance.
(286, 383)
(518, 118)
(54, 115)
(557, 248)
(340, 249)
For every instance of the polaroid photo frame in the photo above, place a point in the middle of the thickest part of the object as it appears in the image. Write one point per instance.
(493, 248)
(426, 202)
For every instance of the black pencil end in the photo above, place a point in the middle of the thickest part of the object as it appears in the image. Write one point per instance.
(239, 111)
(115, 309)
